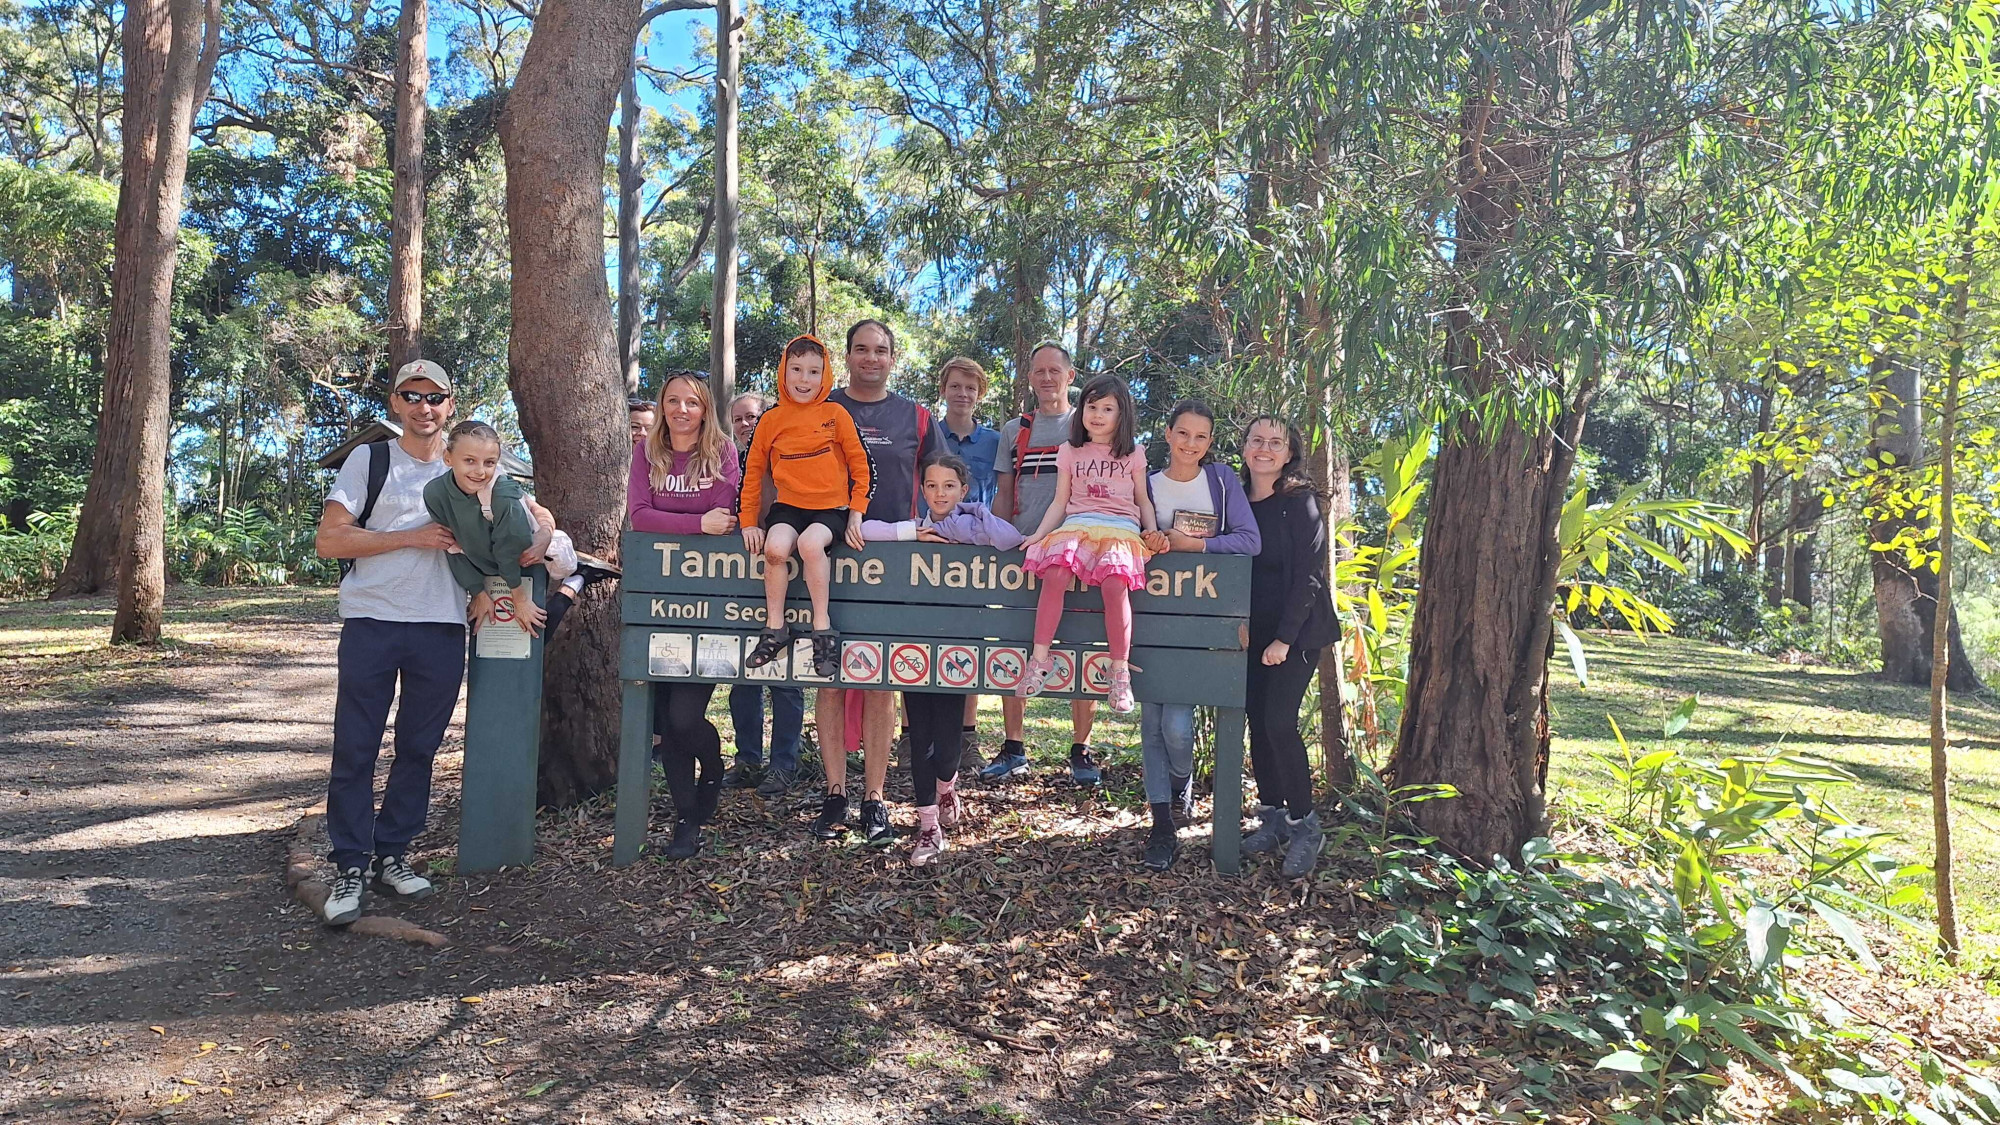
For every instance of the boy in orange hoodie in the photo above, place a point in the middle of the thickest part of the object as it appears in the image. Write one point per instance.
(820, 475)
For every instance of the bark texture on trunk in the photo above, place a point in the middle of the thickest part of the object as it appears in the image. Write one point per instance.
(562, 358)
(629, 184)
(728, 100)
(1906, 597)
(1332, 473)
(1475, 707)
(406, 204)
(170, 48)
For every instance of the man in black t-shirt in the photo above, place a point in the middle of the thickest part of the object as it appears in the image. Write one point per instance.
(898, 434)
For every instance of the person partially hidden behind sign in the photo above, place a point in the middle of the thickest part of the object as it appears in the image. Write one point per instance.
(820, 474)
(481, 506)
(1096, 530)
(684, 478)
(936, 735)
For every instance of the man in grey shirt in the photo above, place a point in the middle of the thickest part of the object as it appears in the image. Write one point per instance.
(1026, 475)
(402, 618)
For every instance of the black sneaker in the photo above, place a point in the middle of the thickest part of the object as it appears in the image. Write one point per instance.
(875, 828)
(1161, 847)
(776, 783)
(594, 570)
(743, 775)
(832, 818)
(687, 840)
(1083, 768)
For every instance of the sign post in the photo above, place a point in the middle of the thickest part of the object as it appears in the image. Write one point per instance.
(503, 729)
(931, 617)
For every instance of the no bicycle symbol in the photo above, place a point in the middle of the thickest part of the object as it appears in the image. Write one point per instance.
(910, 664)
(1004, 667)
(861, 662)
(957, 666)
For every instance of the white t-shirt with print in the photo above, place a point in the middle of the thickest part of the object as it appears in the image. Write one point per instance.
(1170, 496)
(409, 583)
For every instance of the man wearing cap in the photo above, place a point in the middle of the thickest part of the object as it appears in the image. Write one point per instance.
(402, 619)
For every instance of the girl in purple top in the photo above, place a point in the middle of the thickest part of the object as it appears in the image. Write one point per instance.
(684, 482)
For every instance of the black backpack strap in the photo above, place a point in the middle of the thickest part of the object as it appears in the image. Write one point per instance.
(378, 475)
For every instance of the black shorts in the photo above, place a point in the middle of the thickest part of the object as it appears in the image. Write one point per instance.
(798, 519)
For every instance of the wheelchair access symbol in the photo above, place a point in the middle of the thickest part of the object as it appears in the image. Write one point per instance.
(1004, 667)
(957, 666)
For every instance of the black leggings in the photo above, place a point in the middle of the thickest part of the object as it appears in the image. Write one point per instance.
(680, 718)
(937, 734)
(1272, 695)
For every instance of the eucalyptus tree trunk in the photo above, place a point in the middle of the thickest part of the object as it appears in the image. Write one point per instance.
(170, 48)
(728, 103)
(406, 202)
(562, 356)
(1941, 652)
(630, 181)
(1906, 597)
(1475, 711)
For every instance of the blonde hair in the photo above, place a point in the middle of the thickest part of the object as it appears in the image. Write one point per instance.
(704, 465)
(966, 365)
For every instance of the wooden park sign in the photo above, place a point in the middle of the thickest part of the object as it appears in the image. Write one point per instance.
(926, 617)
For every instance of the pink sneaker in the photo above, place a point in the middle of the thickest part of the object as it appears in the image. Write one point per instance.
(1120, 696)
(930, 845)
(1035, 678)
(950, 806)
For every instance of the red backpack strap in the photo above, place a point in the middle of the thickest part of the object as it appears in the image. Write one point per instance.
(1021, 454)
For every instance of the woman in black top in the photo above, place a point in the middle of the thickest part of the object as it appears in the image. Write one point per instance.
(1291, 619)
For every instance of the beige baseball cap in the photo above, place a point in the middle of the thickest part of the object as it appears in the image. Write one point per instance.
(422, 369)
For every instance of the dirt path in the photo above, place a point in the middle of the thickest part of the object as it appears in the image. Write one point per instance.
(152, 966)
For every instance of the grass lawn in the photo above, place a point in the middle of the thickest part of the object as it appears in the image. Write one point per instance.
(1750, 704)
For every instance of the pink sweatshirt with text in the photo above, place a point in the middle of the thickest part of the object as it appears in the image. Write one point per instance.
(677, 509)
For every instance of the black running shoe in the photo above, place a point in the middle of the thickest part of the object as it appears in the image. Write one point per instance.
(875, 828)
(832, 818)
(687, 840)
(1161, 847)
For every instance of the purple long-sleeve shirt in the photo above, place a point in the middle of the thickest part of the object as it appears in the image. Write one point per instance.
(968, 523)
(678, 508)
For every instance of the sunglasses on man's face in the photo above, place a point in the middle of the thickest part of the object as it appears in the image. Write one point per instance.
(435, 398)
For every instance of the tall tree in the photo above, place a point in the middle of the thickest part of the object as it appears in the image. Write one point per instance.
(562, 358)
(406, 216)
(728, 103)
(170, 50)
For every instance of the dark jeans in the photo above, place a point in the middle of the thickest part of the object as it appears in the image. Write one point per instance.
(788, 718)
(937, 736)
(680, 718)
(1277, 751)
(430, 660)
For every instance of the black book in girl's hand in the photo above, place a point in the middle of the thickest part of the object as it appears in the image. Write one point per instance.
(1195, 525)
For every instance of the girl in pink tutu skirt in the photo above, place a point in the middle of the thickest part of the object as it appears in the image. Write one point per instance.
(1097, 530)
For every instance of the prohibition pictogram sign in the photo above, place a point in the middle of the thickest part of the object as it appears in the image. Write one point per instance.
(1097, 672)
(1004, 667)
(909, 664)
(861, 662)
(957, 666)
(1062, 676)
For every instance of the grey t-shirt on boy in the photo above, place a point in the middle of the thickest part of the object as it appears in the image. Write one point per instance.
(1035, 488)
(409, 583)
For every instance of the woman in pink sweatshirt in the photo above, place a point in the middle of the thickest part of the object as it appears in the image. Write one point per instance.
(684, 482)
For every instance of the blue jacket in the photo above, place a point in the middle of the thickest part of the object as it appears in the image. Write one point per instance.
(1236, 531)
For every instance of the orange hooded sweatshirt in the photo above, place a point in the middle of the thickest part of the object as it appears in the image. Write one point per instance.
(812, 451)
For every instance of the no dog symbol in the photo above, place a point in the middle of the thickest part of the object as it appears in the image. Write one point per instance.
(1004, 667)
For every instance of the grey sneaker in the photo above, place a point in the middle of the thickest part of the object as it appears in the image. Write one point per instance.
(743, 775)
(394, 876)
(1303, 851)
(343, 901)
(776, 783)
(1271, 832)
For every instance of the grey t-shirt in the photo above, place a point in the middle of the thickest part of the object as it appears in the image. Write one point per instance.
(1035, 488)
(410, 583)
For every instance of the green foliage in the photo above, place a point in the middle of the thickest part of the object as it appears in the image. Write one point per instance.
(31, 557)
(1677, 958)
